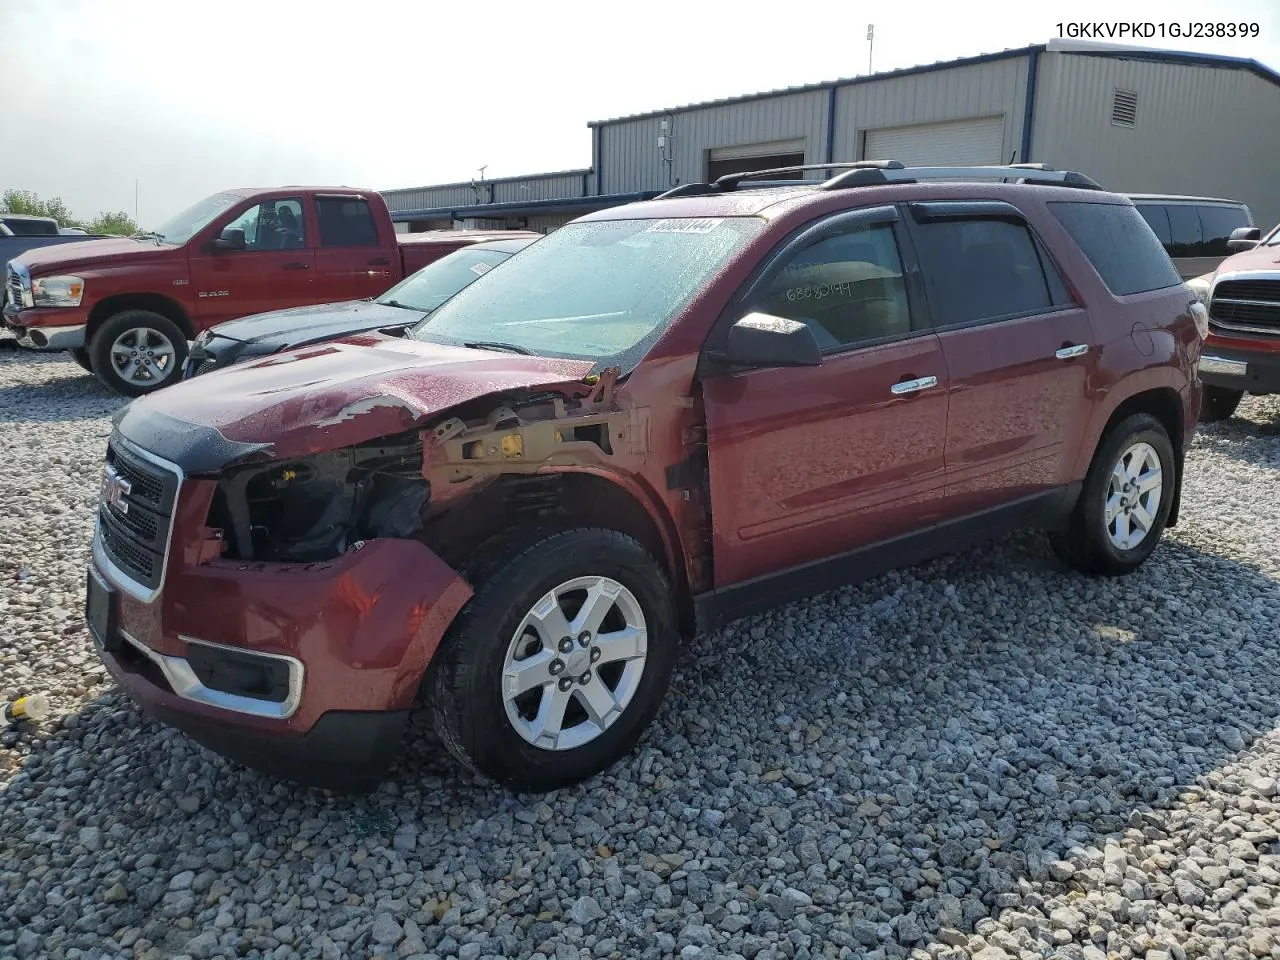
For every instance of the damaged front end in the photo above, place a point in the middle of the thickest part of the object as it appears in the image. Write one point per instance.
(318, 507)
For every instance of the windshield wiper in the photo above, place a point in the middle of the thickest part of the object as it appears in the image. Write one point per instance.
(498, 345)
(402, 306)
(149, 235)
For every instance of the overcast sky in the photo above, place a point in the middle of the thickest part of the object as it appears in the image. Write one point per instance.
(192, 97)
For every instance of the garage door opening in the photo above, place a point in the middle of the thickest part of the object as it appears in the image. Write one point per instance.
(964, 143)
(761, 156)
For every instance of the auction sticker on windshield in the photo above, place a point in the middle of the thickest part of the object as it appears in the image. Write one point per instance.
(480, 269)
(700, 225)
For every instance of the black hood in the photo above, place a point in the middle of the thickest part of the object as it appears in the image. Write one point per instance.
(299, 326)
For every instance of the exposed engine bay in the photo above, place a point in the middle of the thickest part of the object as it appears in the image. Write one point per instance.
(316, 508)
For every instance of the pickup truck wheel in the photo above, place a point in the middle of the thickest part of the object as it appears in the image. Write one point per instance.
(137, 351)
(81, 356)
(559, 661)
(1219, 403)
(1125, 501)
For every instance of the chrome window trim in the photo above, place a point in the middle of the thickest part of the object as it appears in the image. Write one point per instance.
(184, 682)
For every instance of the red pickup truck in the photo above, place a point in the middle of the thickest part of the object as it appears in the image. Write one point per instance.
(127, 308)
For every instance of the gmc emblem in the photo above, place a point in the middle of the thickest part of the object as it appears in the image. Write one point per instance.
(115, 488)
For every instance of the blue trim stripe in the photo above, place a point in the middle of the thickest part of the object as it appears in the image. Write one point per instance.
(1028, 114)
(831, 126)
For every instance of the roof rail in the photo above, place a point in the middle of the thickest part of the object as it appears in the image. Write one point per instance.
(701, 189)
(866, 173)
(730, 181)
(1026, 173)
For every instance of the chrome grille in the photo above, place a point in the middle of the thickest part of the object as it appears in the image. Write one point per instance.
(135, 514)
(14, 287)
(1246, 306)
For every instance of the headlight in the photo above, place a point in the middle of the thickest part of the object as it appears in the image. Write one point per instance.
(1200, 287)
(57, 291)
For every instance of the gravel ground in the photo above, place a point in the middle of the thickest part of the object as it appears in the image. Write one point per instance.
(984, 757)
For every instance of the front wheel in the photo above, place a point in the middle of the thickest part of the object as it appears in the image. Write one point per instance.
(1125, 501)
(137, 352)
(559, 662)
(1219, 404)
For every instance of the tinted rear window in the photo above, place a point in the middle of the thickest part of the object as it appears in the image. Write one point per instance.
(1120, 245)
(1158, 218)
(346, 222)
(1184, 230)
(1216, 224)
(32, 228)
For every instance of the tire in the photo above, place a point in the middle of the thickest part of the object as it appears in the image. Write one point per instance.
(141, 330)
(498, 736)
(1089, 543)
(81, 356)
(1219, 404)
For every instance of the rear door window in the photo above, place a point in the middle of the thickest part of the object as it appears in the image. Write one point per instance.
(1120, 244)
(1216, 224)
(1158, 218)
(346, 222)
(978, 270)
(1184, 230)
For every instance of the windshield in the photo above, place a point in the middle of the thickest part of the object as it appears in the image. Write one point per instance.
(185, 225)
(1273, 238)
(437, 282)
(602, 291)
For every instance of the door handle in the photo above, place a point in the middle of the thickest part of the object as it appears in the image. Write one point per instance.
(299, 265)
(913, 386)
(380, 262)
(1071, 352)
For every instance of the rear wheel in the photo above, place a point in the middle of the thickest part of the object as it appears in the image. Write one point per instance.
(137, 352)
(1125, 501)
(81, 356)
(558, 663)
(1219, 403)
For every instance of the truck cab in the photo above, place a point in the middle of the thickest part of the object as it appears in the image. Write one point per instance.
(127, 308)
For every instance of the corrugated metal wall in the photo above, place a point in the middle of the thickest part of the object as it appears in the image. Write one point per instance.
(631, 159)
(541, 186)
(997, 88)
(1205, 131)
(629, 148)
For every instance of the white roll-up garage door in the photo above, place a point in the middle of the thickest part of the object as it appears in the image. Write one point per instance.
(959, 142)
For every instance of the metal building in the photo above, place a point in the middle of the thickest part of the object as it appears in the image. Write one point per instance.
(1136, 120)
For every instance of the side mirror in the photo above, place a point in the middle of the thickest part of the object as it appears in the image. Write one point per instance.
(763, 340)
(1243, 238)
(232, 239)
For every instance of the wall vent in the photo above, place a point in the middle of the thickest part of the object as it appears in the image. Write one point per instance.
(1124, 108)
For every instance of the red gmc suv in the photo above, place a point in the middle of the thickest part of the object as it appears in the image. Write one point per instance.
(660, 417)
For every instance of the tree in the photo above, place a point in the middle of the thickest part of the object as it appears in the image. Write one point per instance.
(26, 201)
(119, 223)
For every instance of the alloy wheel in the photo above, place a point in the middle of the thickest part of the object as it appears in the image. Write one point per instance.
(1133, 496)
(574, 663)
(143, 356)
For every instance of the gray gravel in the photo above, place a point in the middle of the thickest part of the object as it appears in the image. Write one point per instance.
(984, 757)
